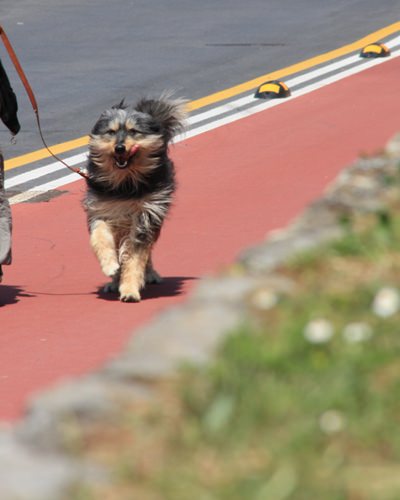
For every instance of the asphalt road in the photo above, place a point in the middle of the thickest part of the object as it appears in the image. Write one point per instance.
(82, 56)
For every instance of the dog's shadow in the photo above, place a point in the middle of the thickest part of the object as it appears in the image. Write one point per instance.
(169, 287)
(10, 294)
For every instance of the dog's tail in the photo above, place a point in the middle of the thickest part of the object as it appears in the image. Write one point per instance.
(169, 113)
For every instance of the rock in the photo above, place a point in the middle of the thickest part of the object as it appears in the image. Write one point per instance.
(80, 402)
(28, 475)
(189, 334)
(393, 146)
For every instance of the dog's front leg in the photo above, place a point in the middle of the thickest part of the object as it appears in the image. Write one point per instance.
(103, 244)
(133, 271)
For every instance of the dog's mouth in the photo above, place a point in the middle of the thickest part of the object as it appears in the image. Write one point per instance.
(122, 160)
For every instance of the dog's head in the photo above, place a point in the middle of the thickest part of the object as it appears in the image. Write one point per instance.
(129, 142)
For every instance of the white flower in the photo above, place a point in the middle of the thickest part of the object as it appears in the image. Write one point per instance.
(386, 302)
(331, 421)
(264, 299)
(318, 331)
(357, 332)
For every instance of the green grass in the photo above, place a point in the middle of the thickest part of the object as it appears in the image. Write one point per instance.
(276, 416)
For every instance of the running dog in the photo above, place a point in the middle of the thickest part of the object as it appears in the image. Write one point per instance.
(130, 185)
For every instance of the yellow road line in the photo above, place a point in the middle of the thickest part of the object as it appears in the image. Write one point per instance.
(57, 149)
(224, 94)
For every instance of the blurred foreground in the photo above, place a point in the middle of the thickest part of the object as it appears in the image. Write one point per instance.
(303, 399)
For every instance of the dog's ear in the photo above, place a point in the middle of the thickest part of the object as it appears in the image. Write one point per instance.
(121, 105)
(168, 114)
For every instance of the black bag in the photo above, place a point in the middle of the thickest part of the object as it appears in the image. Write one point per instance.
(8, 103)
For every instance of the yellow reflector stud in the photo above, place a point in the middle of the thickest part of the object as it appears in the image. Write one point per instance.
(375, 50)
(272, 89)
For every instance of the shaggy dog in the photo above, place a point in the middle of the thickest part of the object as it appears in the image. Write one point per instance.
(129, 189)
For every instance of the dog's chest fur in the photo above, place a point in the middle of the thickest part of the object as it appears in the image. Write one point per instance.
(135, 218)
(116, 212)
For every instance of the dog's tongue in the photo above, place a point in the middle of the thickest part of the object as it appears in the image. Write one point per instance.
(123, 159)
(134, 150)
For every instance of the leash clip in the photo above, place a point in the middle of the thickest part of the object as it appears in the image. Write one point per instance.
(13, 140)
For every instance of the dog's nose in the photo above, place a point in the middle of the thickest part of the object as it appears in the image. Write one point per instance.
(120, 148)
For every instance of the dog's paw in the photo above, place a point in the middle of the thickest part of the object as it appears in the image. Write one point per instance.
(127, 294)
(110, 268)
(110, 287)
(152, 277)
(130, 297)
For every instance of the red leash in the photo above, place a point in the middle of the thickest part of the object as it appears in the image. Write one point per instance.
(32, 99)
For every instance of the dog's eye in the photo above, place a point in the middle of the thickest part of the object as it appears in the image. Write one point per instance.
(111, 132)
(132, 131)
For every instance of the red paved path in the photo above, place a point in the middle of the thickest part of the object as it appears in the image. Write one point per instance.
(236, 183)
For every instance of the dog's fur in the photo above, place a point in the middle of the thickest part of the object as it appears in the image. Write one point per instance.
(129, 189)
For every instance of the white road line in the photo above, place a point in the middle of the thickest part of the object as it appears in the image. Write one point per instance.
(28, 195)
(243, 101)
(41, 171)
(232, 105)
